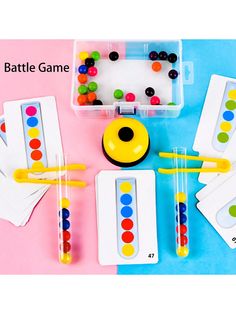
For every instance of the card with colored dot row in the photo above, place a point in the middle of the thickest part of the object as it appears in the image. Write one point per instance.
(126, 217)
(33, 133)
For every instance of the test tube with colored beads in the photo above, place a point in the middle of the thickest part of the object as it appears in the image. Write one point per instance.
(65, 256)
(181, 205)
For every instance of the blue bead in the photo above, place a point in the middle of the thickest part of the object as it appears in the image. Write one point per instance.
(126, 199)
(228, 115)
(83, 69)
(65, 213)
(182, 218)
(65, 224)
(126, 211)
(32, 121)
(181, 207)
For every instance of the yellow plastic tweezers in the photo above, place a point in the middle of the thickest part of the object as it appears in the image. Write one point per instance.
(222, 165)
(22, 175)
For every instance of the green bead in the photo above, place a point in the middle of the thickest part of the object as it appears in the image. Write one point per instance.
(83, 89)
(118, 94)
(93, 86)
(95, 55)
(171, 104)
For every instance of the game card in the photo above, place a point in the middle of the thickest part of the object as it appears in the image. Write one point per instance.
(126, 217)
(217, 124)
(33, 133)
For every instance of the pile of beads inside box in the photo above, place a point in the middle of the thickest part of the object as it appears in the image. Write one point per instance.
(87, 71)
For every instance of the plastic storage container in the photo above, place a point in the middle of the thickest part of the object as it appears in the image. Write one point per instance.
(132, 72)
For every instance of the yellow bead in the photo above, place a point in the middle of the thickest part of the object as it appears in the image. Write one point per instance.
(65, 258)
(180, 197)
(128, 250)
(182, 251)
(232, 94)
(33, 132)
(125, 187)
(226, 126)
(83, 55)
(64, 203)
(37, 164)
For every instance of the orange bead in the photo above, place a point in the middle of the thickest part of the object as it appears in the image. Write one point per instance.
(82, 78)
(82, 99)
(92, 97)
(156, 66)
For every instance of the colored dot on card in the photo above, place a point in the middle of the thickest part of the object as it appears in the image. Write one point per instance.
(31, 110)
(3, 127)
(232, 94)
(226, 126)
(127, 224)
(127, 237)
(230, 104)
(33, 132)
(35, 143)
(64, 202)
(126, 211)
(180, 197)
(125, 187)
(37, 164)
(126, 199)
(232, 210)
(36, 155)
(128, 250)
(223, 137)
(32, 121)
(228, 115)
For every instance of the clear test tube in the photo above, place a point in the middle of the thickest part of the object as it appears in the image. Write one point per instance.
(181, 204)
(64, 224)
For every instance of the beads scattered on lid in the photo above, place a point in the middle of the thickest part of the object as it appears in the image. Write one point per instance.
(114, 56)
(130, 97)
(173, 74)
(149, 91)
(95, 55)
(155, 100)
(118, 94)
(156, 66)
(92, 71)
(153, 55)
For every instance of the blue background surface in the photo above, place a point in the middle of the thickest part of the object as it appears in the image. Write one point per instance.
(209, 254)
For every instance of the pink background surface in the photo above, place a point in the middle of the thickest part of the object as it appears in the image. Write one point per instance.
(33, 248)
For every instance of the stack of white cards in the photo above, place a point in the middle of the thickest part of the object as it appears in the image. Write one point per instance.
(216, 137)
(29, 136)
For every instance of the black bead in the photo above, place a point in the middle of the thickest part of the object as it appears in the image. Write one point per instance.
(97, 102)
(163, 55)
(153, 55)
(173, 74)
(113, 56)
(149, 91)
(126, 134)
(172, 58)
(89, 62)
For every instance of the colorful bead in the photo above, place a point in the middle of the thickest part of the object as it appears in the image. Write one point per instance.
(65, 202)
(149, 91)
(92, 71)
(83, 55)
(155, 100)
(91, 97)
(65, 224)
(153, 55)
(65, 235)
(83, 89)
(180, 197)
(66, 247)
(182, 218)
(113, 56)
(183, 240)
(89, 62)
(118, 94)
(82, 99)
(172, 58)
(173, 74)
(82, 78)
(182, 251)
(182, 229)
(181, 207)
(95, 55)
(171, 104)
(65, 213)
(130, 97)
(92, 86)
(163, 55)
(156, 66)
(97, 102)
(65, 258)
(83, 69)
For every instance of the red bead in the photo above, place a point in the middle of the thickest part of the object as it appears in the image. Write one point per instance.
(92, 71)
(127, 237)
(183, 240)
(155, 100)
(130, 97)
(66, 247)
(127, 224)
(66, 235)
(182, 229)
